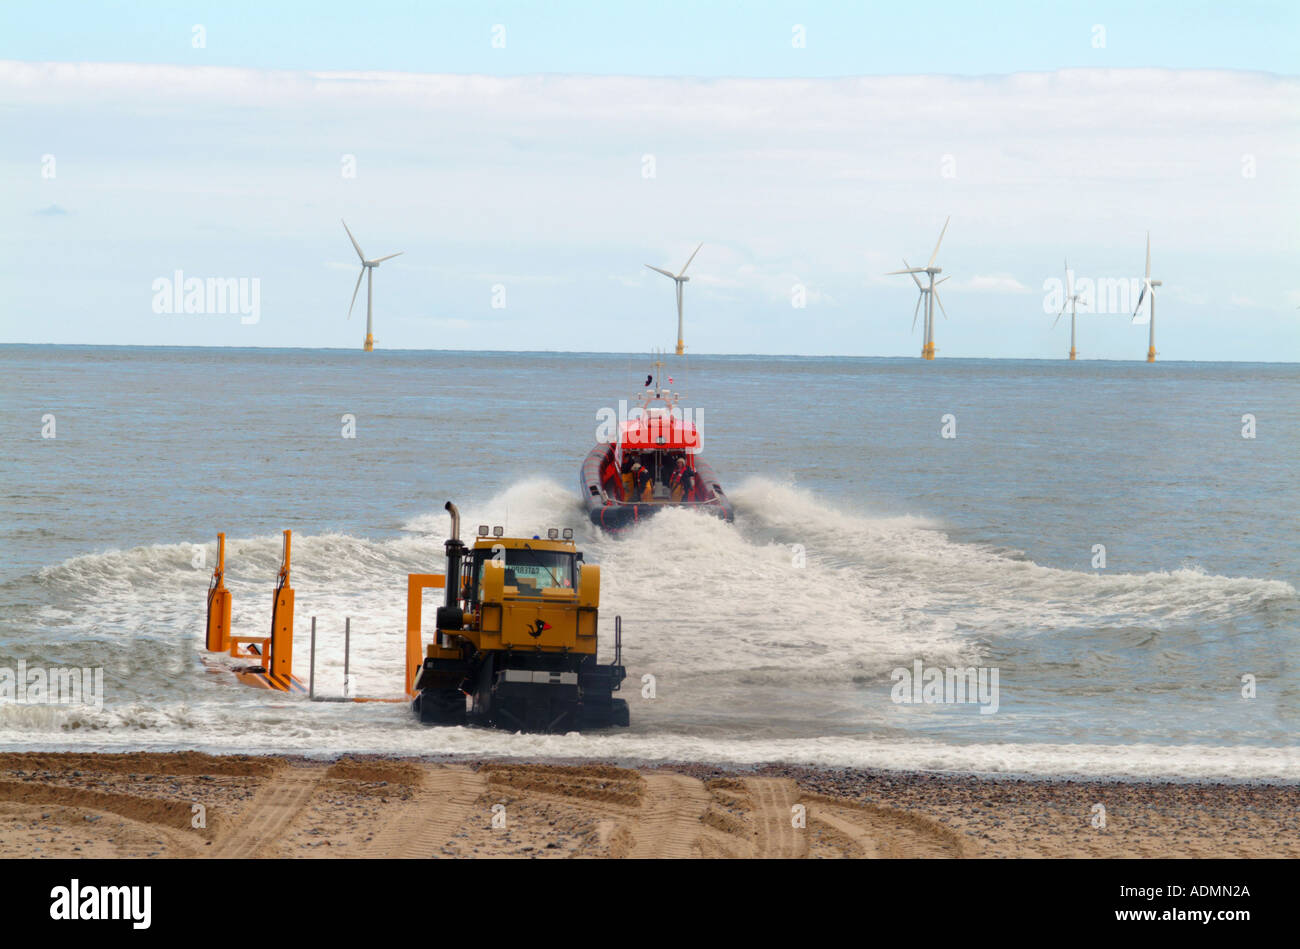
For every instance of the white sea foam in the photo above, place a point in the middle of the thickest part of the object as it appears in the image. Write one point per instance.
(735, 631)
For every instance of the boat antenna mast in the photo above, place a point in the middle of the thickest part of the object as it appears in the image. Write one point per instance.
(653, 388)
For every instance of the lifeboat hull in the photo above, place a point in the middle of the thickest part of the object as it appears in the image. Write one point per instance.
(603, 490)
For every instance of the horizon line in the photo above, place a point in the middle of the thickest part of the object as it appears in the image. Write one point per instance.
(594, 352)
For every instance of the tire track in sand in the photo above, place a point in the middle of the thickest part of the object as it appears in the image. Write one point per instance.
(863, 842)
(873, 831)
(434, 813)
(669, 822)
(269, 813)
(775, 834)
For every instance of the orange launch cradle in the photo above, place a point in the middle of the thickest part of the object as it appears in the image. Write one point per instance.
(273, 654)
(416, 584)
(219, 603)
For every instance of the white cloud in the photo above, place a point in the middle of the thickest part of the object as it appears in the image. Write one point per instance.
(998, 283)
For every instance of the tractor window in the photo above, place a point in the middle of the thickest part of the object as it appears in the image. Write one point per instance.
(532, 571)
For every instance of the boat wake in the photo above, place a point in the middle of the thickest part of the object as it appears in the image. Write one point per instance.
(772, 637)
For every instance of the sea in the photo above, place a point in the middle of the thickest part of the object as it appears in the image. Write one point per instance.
(1111, 546)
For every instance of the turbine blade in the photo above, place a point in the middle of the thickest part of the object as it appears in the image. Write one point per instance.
(689, 259)
(662, 271)
(937, 282)
(915, 278)
(354, 292)
(939, 241)
(1148, 255)
(891, 273)
(1141, 296)
(389, 257)
(919, 298)
(939, 301)
(354, 241)
(1069, 280)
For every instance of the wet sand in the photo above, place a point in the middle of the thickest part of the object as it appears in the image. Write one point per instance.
(190, 805)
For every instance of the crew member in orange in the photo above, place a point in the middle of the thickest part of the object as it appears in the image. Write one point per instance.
(644, 484)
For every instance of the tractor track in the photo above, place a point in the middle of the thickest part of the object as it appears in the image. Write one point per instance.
(775, 835)
(669, 823)
(872, 830)
(424, 824)
(373, 807)
(270, 812)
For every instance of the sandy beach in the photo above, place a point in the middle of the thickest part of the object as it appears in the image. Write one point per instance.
(191, 805)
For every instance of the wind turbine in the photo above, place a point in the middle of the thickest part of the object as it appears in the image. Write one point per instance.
(681, 278)
(1149, 286)
(367, 271)
(928, 293)
(1072, 301)
(924, 292)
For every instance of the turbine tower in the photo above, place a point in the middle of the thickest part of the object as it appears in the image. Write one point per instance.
(367, 271)
(928, 293)
(681, 278)
(1072, 301)
(1149, 287)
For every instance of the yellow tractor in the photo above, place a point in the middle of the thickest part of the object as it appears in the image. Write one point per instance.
(516, 639)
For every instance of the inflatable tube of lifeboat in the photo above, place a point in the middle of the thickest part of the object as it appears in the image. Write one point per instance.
(603, 492)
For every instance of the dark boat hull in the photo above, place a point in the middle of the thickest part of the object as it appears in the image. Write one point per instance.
(609, 511)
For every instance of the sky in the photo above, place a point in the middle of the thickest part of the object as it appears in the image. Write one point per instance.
(530, 159)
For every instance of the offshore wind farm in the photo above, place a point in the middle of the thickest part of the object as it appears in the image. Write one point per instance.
(927, 297)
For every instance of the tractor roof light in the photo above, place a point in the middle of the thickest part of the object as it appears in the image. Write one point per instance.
(498, 531)
(482, 530)
(568, 533)
(552, 534)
